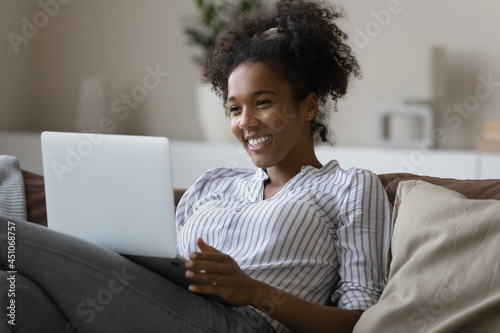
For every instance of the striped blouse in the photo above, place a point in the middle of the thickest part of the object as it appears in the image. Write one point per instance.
(323, 237)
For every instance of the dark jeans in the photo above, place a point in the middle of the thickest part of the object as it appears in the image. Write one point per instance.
(64, 284)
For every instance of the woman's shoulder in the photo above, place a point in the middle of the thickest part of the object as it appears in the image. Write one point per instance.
(217, 180)
(352, 177)
(224, 174)
(334, 169)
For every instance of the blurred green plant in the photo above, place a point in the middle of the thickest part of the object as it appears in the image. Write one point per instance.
(213, 15)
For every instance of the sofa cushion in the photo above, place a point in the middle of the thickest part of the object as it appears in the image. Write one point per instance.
(35, 197)
(444, 264)
(471, 188)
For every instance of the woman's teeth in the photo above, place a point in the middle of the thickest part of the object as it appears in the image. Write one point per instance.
(255, 142)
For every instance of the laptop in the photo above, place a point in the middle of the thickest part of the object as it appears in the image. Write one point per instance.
(115, 191)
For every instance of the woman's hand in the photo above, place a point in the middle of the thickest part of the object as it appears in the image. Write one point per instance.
(219, 274)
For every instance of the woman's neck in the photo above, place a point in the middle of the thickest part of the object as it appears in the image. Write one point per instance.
(279, 176)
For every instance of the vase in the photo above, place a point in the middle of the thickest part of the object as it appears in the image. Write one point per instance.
(93, 98)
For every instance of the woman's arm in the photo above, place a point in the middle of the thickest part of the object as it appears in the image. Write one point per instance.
(363, 234)
(303, 316)
(223, 277)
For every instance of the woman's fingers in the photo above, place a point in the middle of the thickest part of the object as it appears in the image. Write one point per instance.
(218, 273)
(204, 247)
(208, 256)
(206, 266)
(210, 271)
(206, 278)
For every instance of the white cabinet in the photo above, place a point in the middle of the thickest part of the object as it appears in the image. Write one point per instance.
(489, 165)
(436, 163)
(190, 158)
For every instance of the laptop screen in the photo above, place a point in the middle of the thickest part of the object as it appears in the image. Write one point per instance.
(112, 190)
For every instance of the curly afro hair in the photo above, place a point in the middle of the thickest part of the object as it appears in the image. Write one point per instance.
(298, 38)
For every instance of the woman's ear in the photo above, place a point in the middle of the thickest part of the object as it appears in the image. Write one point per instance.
(310, 106)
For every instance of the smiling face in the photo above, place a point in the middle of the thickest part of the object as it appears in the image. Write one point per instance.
(274, 129)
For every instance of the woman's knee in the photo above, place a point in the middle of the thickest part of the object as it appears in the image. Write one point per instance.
(27, 307)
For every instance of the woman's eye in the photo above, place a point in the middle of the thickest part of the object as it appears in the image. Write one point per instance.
(263, 102)
(233, 109)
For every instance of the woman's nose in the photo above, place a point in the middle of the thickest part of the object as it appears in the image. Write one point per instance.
(248, 119)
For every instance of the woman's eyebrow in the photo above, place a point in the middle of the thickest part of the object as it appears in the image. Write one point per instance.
(256, 93)
(263, 92)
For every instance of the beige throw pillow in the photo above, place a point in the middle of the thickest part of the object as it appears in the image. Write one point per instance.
(444, 265)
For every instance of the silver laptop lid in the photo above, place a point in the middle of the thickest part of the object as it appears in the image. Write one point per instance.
(113, 190)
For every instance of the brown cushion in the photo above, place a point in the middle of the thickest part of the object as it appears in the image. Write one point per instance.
(471, 188)
(35, 197)
(178, 193)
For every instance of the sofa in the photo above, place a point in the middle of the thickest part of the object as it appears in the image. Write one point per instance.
(443, 271)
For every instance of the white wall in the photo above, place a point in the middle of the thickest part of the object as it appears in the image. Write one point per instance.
(16, 69)
(118, 39)
(466, 29)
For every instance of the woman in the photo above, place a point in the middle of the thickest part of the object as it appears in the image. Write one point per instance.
(281, 242)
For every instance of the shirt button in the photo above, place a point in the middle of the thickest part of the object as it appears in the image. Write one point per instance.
(237, 209)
